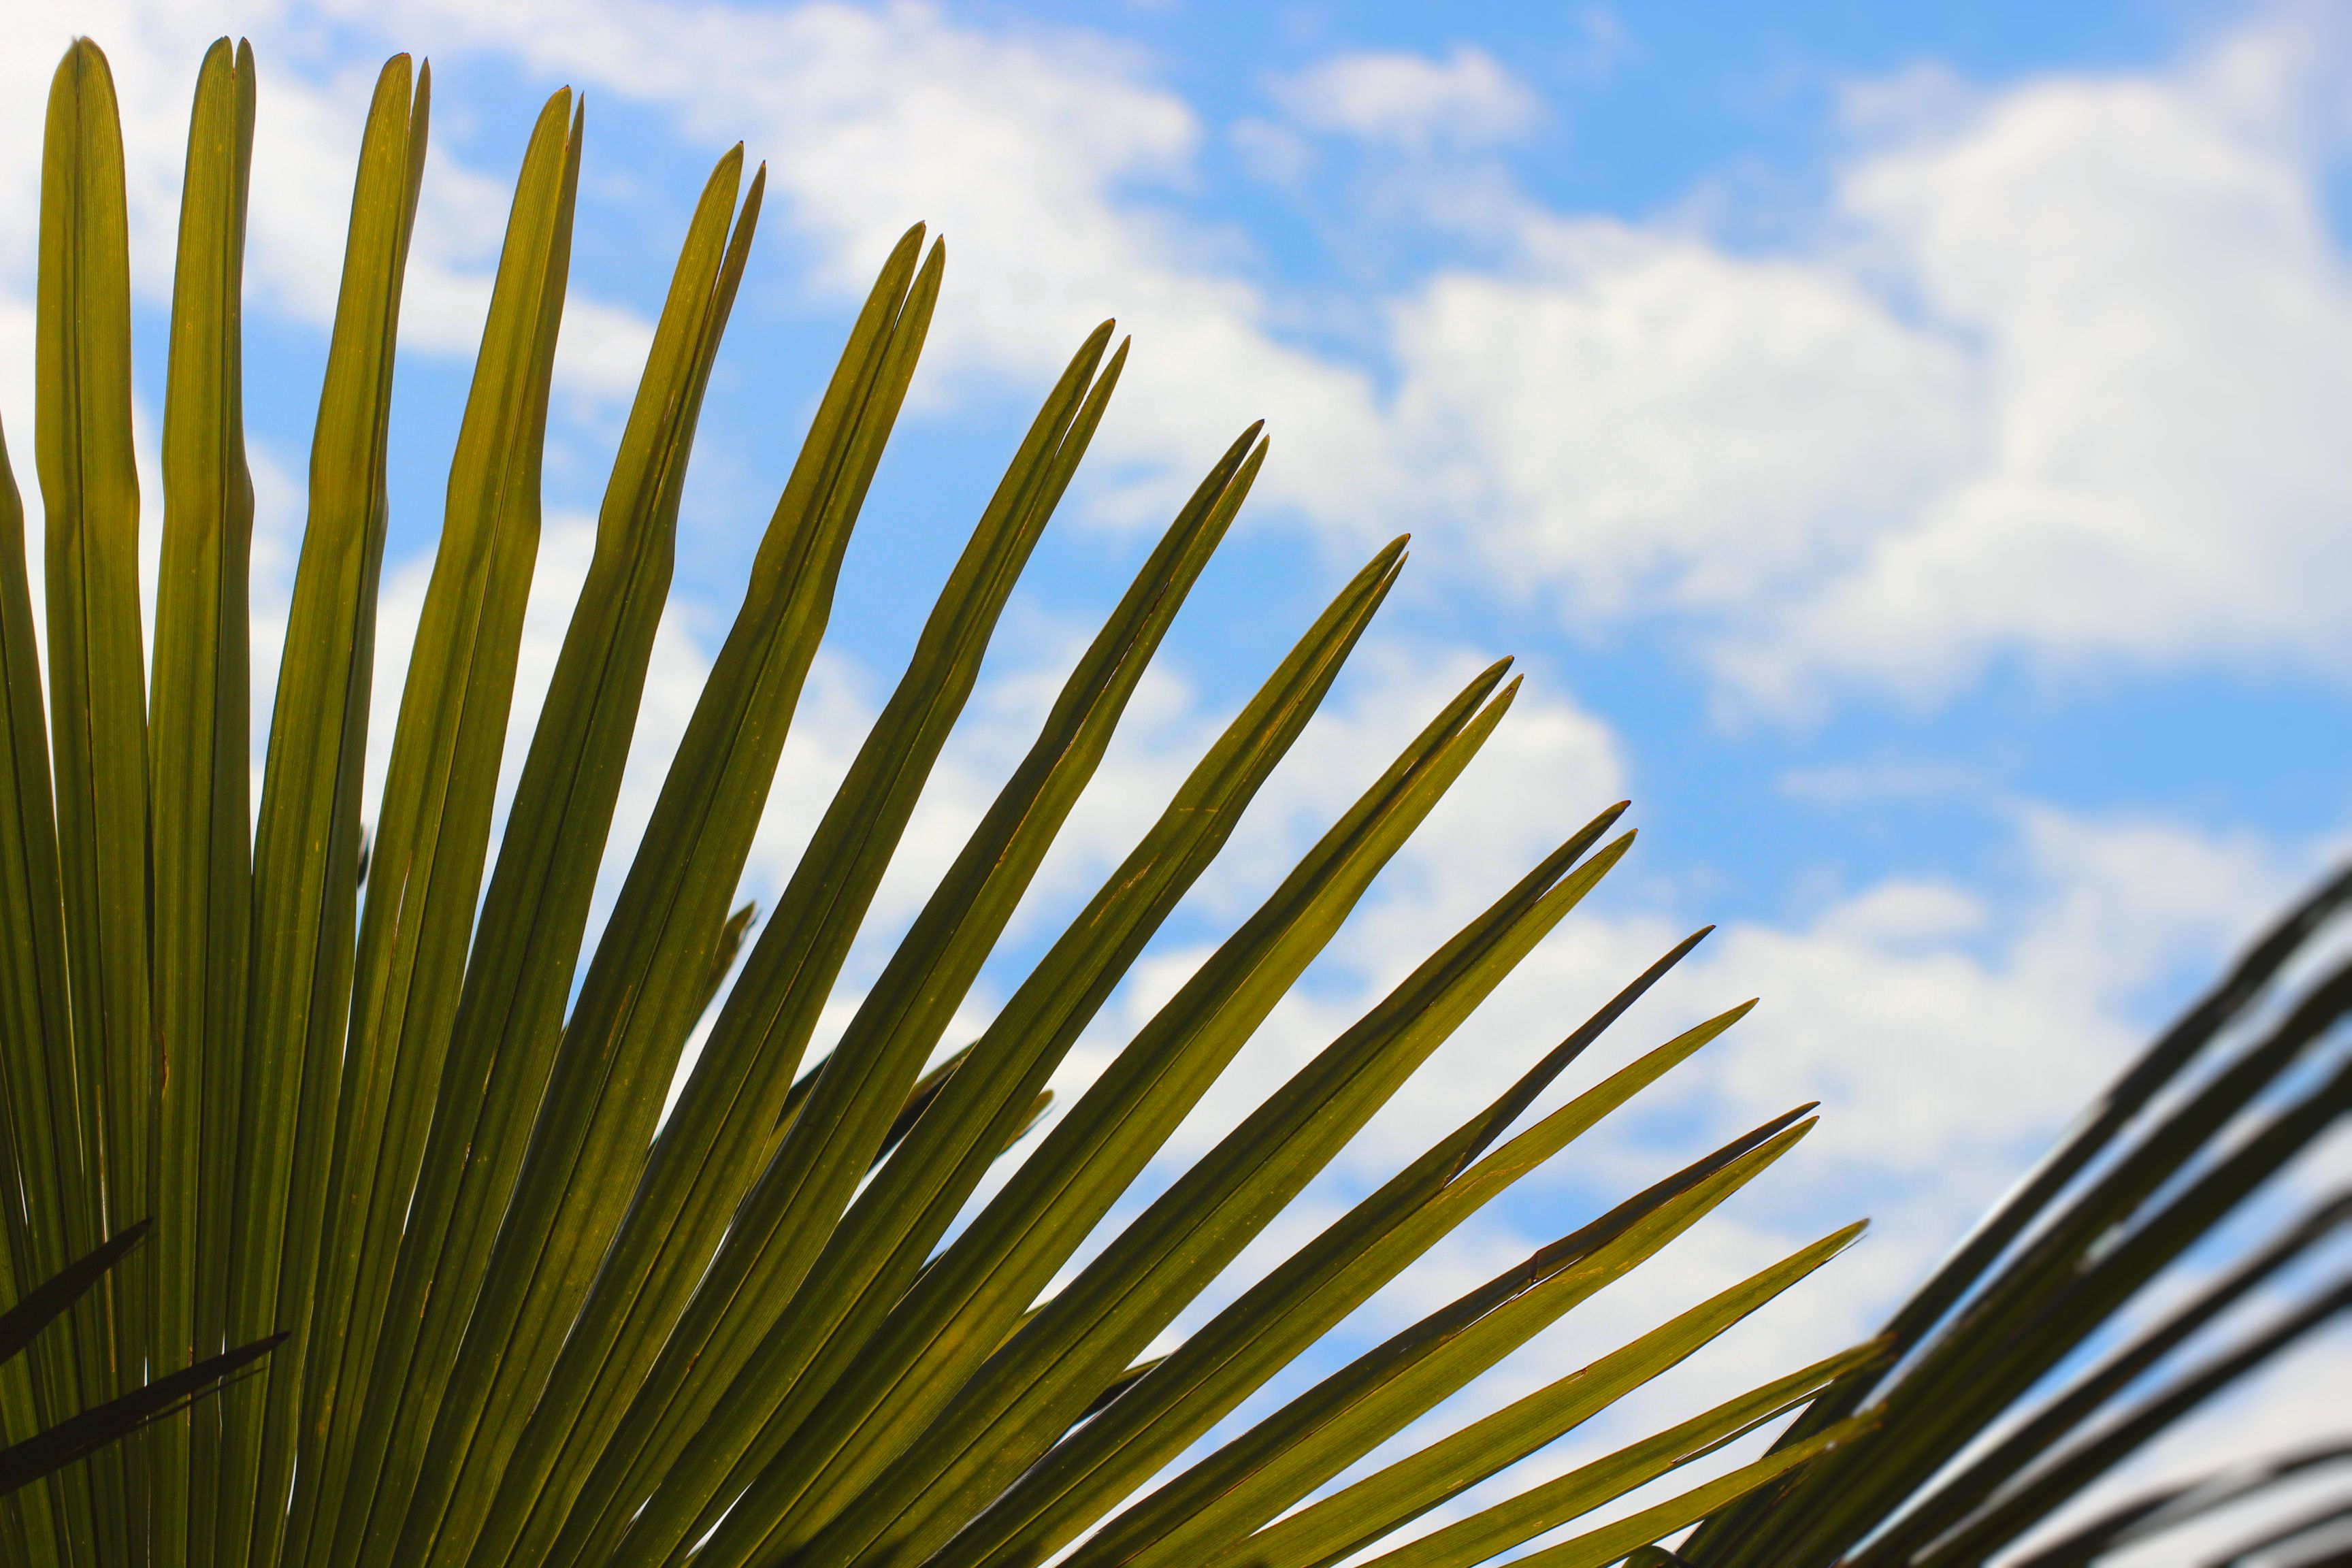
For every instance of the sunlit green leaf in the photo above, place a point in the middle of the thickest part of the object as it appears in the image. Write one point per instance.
(387, 1232)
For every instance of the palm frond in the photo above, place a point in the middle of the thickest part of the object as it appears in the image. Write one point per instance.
(390, 1111)
(1989, 1425)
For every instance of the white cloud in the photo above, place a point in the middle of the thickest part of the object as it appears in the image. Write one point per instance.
(1468, 98)
(2059, 384)
(1946, 1029)
(1647, 422)
(2164, 323)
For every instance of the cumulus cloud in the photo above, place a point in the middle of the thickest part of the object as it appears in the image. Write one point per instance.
(2162, 319)
(1945, 1029)
(1646, 423)
(2057, 382)
(1051, 163)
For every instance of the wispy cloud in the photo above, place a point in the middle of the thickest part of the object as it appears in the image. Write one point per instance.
(1467, 98)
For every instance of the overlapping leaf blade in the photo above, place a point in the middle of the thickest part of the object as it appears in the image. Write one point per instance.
(643, 990)
(527, 939)
(1954, 1498)
(1613, 1541)
(50, 1214)
(433, 827)
(669, 1228)
(979, 1113)
(2129, 1194)
(891, 1425)
(308, 833)
(1236, 1352)
(1519, 1519)
(2038, 1494)
(2173, 1505)
(1064, 1357)
(910, 1005)
(1289, 1454)
(1338, 1526)
(109, 1422)
(785, 1214)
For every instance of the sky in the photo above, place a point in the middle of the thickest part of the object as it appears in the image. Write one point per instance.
(1901, 447)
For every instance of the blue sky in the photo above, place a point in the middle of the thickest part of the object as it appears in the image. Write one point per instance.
(1902, 445)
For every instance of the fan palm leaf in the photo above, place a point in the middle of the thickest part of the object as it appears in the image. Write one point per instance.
(398, 1111)
(1993, 1418)
(390, 1105)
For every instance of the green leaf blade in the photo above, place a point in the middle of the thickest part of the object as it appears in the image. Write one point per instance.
(199, 762)
(1272, 1323)
(1316, 1435)
(308, 833)
(98, 711)
(1598, 1547)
